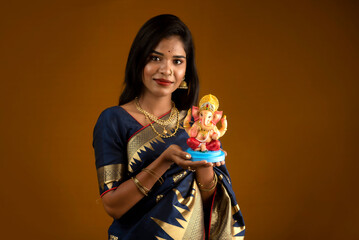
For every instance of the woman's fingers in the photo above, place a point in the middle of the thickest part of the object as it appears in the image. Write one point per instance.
(180, 153)
(191, 165)
(198, 164)
(220, 163)
(225, 152)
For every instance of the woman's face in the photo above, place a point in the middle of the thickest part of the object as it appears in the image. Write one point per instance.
(166, 67)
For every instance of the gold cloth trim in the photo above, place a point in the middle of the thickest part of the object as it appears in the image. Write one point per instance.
(222, 222)
(193, 225)
(108, 174)
(143, 140)
(235, 209)
(179, 176)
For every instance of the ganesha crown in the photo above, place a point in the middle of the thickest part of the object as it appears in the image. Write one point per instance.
(209, 102)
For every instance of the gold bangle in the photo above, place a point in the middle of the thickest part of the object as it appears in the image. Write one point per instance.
(140, 187)
(214, 182)
(154, 174)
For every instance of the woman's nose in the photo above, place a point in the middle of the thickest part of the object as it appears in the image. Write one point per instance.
(166, 69)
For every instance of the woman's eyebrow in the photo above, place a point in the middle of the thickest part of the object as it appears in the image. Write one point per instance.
(153, 51)
(179, 56)
(161, 54)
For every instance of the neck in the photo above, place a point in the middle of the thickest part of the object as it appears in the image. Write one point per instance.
(157, 106)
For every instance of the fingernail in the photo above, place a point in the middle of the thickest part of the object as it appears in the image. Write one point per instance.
(188, 156)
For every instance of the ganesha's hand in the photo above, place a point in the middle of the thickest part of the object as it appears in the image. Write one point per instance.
(215, 136)
(224, 125)
(224, 121)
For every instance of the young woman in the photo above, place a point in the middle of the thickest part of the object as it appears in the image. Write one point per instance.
(147, 182)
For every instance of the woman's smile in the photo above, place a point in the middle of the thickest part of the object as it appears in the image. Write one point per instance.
(163, 82)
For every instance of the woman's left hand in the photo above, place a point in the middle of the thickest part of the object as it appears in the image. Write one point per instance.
(217, 164)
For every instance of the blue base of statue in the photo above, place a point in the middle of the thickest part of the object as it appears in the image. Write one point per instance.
(209, 156)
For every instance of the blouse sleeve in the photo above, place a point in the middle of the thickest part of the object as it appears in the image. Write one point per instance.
(110, 151)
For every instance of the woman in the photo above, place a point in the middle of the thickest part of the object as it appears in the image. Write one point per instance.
(147, 182)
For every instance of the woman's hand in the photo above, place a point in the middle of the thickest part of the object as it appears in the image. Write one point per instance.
(217, 164)
(175, 154)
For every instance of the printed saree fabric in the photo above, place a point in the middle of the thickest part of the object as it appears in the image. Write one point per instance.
(172, 210)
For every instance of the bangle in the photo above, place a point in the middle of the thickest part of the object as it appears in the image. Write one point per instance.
(214, 182)
(140, 187)
(154, 174)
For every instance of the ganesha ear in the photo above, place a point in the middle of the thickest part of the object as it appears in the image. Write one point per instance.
(195, 112)
(217, 116)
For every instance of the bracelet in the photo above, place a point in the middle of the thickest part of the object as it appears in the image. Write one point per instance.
(214, 182)
(140, 187)
(154, 174)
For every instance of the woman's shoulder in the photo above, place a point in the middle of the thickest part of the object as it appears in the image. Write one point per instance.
(117, 116)
(112, 111)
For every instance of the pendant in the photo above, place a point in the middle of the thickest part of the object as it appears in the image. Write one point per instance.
(164, 131)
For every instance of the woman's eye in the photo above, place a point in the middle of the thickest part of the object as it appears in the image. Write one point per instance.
(154, 58)
(178, 62)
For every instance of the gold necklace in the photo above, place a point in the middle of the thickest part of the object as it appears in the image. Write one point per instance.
(164, 134)
(163, 123)
(152, 117)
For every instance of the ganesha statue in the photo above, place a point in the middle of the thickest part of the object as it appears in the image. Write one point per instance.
(203, 133)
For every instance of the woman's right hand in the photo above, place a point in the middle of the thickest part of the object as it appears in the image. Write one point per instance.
(175, 154)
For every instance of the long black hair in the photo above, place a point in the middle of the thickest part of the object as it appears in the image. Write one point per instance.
(148, 37)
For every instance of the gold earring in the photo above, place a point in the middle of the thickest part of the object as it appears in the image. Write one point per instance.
(183, 85)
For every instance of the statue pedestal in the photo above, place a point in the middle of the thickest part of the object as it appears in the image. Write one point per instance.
(209, 156)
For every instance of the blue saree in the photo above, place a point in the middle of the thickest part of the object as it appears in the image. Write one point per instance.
(173, 210)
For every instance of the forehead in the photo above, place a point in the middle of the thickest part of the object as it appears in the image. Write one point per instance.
(172, 45)
(207, 112)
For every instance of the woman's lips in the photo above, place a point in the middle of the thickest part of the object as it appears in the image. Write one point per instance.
(163, 82)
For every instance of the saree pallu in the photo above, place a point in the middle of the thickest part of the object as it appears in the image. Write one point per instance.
(172, 210)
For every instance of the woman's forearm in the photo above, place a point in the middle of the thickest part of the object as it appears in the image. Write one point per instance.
(125, 196)
(122, 199)
(205, 177)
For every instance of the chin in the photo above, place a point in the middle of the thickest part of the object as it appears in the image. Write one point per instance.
(162, 93)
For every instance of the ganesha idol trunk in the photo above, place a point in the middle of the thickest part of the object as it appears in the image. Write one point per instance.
(203, 132)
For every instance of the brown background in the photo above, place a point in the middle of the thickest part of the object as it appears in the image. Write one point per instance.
(286, 75)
